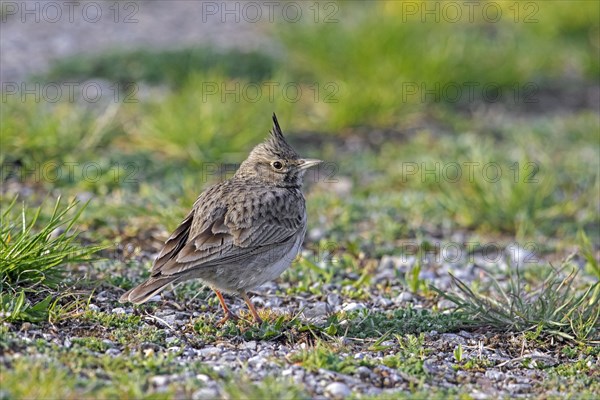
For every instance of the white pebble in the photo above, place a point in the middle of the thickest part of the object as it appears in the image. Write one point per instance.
(337, 390)
(251, 345)
(404, 296)
(159, 380)
(353, 307)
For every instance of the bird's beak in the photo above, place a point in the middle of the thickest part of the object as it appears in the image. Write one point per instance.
(308, 162)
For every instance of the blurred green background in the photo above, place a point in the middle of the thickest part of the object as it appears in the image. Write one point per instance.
(377, 89)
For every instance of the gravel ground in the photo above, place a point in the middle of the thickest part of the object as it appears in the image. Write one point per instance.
(501, 365)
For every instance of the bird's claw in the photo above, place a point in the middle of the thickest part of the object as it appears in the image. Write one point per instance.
(228, 316)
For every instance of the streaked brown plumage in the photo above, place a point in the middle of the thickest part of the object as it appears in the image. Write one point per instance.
(241, 232)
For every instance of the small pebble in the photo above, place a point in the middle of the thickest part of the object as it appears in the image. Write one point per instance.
(256, 362)
(337, 390)
(363, 372)
(494, 374)
(251, 345)
(317, 310)
(210, 352)
(354, 307)
(159, 380)
(113, 352)
(333, 299)
(404, 297)
(206, 393)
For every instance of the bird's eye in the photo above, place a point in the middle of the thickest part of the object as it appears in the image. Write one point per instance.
(277, 165)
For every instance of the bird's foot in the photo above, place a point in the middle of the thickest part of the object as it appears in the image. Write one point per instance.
(228, 316)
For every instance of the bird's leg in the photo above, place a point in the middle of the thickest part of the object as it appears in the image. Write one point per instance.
(257, 318)
(228, 314)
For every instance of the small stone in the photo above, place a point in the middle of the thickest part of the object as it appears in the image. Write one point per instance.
(430, 366)
(93, 307)
(206, 393)
(363, 372)
(209, 352)
(350, 307)
(383, 302)
(317, 310)
(256, 362)
(404, 297)
(337, 390)
(494, 374)
(258, 301)
(446, 304)
(57, 232)
(333, 299)
(518, 387)
(113, 352)
(102, 296)
(251, 345)
(453, 338)
(118, 310)
(159, 380)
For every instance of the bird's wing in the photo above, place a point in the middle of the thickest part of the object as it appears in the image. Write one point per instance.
(174, 243)
(219, 241)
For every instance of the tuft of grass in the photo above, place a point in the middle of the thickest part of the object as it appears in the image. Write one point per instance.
(556, 307)
(17, 308)
(587, 251)
(34, 255)
(323, 356)
(410, 357)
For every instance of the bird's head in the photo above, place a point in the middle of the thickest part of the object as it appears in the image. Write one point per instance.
(275, 162)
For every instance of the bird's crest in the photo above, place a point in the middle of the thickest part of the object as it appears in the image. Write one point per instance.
(276, 131)
(276, 141)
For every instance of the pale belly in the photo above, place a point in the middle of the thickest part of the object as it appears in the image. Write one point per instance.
(253, 273)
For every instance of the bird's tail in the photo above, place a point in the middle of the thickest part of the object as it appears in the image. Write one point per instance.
(142, 293)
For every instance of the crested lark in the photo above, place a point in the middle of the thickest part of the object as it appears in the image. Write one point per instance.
(241, 232)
